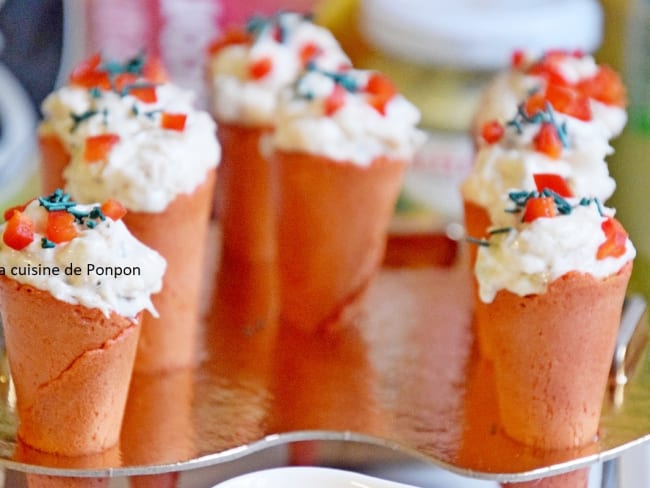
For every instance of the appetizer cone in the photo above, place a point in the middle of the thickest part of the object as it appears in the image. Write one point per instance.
(244, 207)
(71, 367)
(73, 285)
(169, 341)
(332, 220)
(54, 158)
(552, 357)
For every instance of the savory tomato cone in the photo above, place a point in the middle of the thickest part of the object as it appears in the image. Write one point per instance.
(332, 221)
(552, 355)
(245, 208)
(71, 300)
(179, 234)
(71, 367)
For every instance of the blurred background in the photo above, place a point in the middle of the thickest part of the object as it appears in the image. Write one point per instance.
(439, 53)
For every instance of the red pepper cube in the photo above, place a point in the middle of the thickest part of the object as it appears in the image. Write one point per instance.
(605, 86)
(517, 59)
(60, 227)
(569, 101)
(146, 94)
(309, 51)
(19, 231)
(154, 70)
(615, 239)
(335, 100)
(539, 207)
(88, 74)
(380, 90)
(548, 141)
(553, 182)
(260, 68)
(113, 209)
(492, 131)
(123, 80)
(98, 147)
(173, 121)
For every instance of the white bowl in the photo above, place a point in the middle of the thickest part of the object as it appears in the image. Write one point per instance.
(312, 477)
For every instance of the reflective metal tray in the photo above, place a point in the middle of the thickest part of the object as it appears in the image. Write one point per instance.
(399, 371)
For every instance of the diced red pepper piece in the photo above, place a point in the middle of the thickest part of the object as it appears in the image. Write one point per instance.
(123, 80)
(154, 70)
(230, 37)
(569, 101)
(98, 147)
(260, 68)
(538, 207)
(605, 86)
(113, 209)
(548, 141)
(615, 239)
(492, 131)
(145, 93)
(380, 89)
(335, 100)
(173, 121)
(547, 68)
(88, 74)
(60, 226)
(19, 231)
(308, 52)
(553, 182)
(536, 102)
(517, 59)
(10, 211)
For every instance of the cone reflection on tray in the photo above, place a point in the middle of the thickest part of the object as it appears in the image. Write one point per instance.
(239, 333)
(158, 424)
(108, 458)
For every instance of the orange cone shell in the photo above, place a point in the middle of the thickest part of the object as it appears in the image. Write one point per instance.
(477, 221)
(552, 355)
(179, 234)
(332, 221)
(71, 367)
(244, 192)
(54, 158)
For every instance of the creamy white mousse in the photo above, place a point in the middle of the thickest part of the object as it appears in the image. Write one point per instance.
(356, 131)
(103, 267)
(527, 258)
(503, 95)
(150, 165)
(511, 163)
(245, 96)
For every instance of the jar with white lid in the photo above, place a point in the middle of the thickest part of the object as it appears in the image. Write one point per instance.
(441, 54)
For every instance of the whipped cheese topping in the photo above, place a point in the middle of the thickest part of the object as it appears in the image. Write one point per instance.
(511, 162)
(501, 98)
(525, 259)
(338, 115)
(102, 267)
(245, 94)
(150, 165)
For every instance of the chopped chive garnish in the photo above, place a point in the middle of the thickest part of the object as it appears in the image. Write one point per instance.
(46, 243)
(478, 242)
(500, 230)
